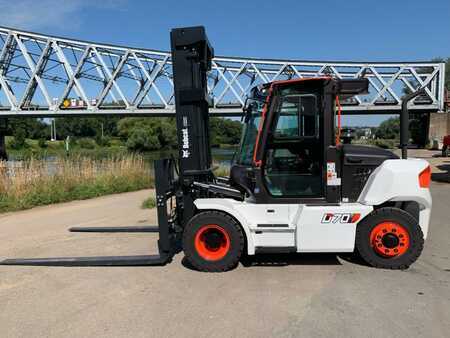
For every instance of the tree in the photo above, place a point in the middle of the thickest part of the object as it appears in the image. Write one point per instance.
(167, 133)
(19, 140)
(148, 133)
(224, 131)
(142, 140)
(31, 127)
(86, 127)
(389, 129)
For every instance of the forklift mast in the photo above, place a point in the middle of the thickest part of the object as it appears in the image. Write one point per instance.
(191, 60)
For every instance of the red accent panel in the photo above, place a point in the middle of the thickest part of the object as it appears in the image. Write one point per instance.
(355, 218)
(425, 178)
(256, 162)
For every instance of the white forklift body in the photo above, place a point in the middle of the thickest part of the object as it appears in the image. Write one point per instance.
(330, 228)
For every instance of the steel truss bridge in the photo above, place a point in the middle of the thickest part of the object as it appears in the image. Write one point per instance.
(47, 76)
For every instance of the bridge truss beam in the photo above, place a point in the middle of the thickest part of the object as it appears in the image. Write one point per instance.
(47, 76)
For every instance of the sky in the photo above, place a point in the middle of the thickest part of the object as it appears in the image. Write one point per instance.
(408, 30)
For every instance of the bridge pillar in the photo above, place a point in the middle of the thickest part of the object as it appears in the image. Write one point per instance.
(3, 127)
(419, 128)
(439, 127)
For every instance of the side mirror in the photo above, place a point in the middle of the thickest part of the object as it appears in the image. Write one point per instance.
(248, 110)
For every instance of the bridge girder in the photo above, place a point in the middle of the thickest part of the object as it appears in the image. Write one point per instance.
(47, 76)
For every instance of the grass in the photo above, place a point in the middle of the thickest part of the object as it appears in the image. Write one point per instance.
(381, 143)
(222, 171)
(32, 183)
(149, 203)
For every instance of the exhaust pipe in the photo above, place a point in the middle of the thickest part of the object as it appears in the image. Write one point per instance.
(404, 121)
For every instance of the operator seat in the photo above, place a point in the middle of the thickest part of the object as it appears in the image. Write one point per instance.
(240, 178)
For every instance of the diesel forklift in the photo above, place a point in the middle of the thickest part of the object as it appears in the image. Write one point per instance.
(293, 186)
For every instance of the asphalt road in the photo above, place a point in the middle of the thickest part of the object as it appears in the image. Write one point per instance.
(283, 296)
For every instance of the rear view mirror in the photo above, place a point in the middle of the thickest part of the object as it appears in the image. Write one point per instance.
(248, 109)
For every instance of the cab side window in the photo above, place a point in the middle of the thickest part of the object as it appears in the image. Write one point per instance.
(293, 161)
(297, 117)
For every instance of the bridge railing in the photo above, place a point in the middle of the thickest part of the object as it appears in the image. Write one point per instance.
(43, 75)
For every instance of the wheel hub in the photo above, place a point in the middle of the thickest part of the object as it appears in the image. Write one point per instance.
(389, 239)
(212, 242)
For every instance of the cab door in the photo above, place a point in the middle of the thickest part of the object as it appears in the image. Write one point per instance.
(293, 166)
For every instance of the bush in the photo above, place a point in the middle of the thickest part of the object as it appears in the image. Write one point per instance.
(104, 141)
(116, 142)
(42, 143)
(86, 143)
(385, 144)
(19, 139)
(162, 133)
(141, 140)
(167, 133)
(149, 203)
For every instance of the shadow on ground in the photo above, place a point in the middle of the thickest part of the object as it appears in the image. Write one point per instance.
(443, 176)
(284, 259)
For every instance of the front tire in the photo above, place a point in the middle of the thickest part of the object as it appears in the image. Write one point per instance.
(213, 242)
(389, 238)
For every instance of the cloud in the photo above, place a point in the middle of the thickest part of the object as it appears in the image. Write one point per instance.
(38, 14)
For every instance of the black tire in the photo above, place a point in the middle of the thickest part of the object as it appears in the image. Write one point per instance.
(369, 253)
(235, 238)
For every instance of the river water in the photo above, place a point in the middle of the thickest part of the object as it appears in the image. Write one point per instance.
(221, 157)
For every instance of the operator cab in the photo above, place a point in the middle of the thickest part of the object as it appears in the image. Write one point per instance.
(289, 150)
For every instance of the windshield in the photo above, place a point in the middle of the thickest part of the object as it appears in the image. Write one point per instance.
(250, 131)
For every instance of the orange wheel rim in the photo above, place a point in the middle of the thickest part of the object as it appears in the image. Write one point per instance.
(212, 242)
(389, 239)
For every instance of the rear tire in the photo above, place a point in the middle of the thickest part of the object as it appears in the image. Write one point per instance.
(389, 238)
(213, 242)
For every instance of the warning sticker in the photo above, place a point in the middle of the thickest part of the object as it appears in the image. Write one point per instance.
(332, 178)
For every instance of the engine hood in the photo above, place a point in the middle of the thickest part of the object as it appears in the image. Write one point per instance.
(365, 155)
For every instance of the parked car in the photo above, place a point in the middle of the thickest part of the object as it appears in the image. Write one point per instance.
(446, 146)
